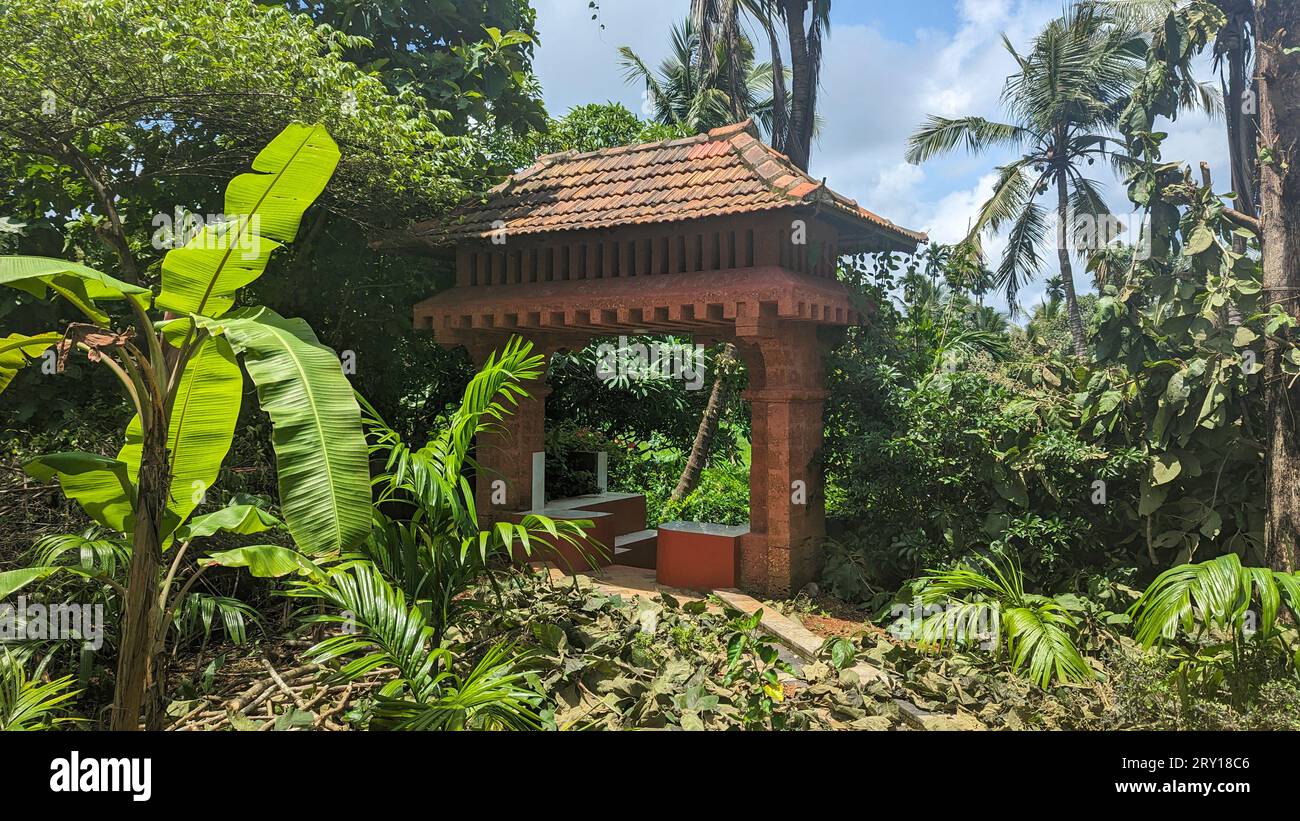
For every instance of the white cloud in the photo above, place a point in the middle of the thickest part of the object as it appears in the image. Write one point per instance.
(876, 89)
(577, 60)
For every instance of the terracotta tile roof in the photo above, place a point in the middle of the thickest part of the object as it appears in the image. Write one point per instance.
(726, 171)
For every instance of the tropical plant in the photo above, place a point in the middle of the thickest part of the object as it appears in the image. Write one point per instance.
(91, 568)
(1178, 33)
(1222, 620)
(27, 702)
(989, 604)
(380, 630)
(1065, 99)
(437, 549)
(186, 388)
(470, 60)
(754, 667)
(806, 24)
(683, 94)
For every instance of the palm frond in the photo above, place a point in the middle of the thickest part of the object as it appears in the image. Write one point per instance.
(1218, 593)
(27, 703)
(941, 135)
(991, 603)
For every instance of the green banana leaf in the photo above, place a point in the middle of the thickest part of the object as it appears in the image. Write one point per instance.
(320, 449)
(236, 518)
(102, 486)
(201, 429)
(263, 209)
(79, 284)
(267, 561)
(18, 350)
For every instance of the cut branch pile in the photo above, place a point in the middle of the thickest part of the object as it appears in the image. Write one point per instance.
(301, 698)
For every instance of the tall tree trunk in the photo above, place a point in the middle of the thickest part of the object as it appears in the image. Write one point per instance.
(1277, 29)
(708, 425)
(1067, 270)
(1243, 130)
(799, 145)
(135, 660)
(780, 99)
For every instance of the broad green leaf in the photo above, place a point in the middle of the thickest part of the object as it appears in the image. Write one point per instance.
(216, 262)
(1152, 498)
(1201, 240)
(237, 518)
(201, 428)
(1165, 467)
(294, 169)
(263, 209)
(18, 350)
(79, 284)
(11, 581)
(267, 561)
(320, 449)
(102, 486)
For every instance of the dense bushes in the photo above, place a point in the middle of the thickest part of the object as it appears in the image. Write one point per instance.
(960, 461)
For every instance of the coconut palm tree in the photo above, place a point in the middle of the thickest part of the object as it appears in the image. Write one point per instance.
(682, 95)
(806, 24)
(1064, 101)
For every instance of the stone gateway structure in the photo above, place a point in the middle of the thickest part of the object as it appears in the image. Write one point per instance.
(715, 236)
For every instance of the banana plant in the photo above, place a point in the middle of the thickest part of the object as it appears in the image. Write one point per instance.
(181, 373)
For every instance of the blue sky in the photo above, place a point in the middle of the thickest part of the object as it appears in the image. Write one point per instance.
(887, 64)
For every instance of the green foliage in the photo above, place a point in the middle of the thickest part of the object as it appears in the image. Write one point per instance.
(722, 495)
(691, 89)
(1218, 622)
(196, 394)
(470, 61)
(380, 630)
(1063, 102)
(583, 128)
(74, 104)
(931, 472)
(991, 605)
(1181, 347)
(27, 702)
(754, 666)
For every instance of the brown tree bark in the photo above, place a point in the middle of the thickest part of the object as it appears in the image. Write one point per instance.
(708, 428)
(1067, 269)
(780, 102)
(1277, 28)
(1241, 118)
(135, 660)
(803, 85)
(111, 231)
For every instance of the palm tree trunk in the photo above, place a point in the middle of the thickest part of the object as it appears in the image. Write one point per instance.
(1277, 30)
(1067, 270)
(1242, 125)
(780, 101)
(799, 145)
(708, 426)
